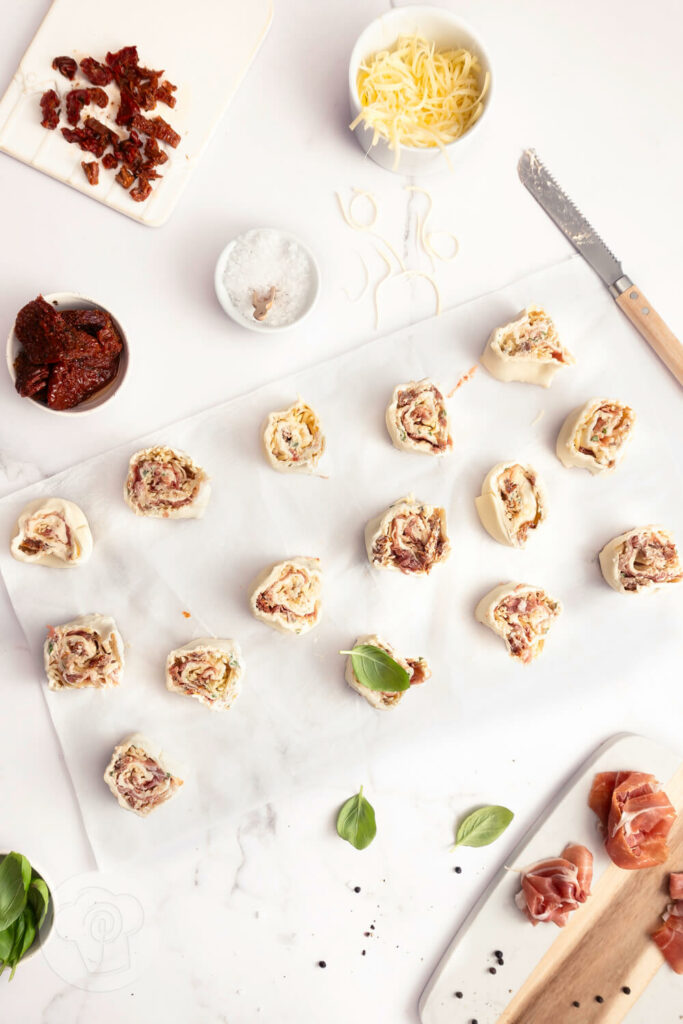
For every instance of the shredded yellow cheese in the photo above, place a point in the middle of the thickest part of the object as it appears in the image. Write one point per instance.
(415, 95)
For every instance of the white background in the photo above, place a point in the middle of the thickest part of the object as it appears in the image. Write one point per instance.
(240, 920)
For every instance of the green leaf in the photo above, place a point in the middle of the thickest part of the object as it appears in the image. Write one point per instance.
(38, 899)
(377, 670)
(356, 821)
(12, 892)
(30, 931)
(6, 942)
(483, 826)
(26, 870)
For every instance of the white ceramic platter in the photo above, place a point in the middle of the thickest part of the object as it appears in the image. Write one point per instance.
(495, 922)
(205, 49)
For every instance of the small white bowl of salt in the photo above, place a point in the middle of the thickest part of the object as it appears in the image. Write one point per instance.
(267, 280)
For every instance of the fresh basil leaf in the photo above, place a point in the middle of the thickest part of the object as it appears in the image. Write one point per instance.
(30, 931)
(356, 821)
(19, 931)
(377, 670)
(483, 826)
(12, 892)
(26, 870)
(6, 942)
(38, 899)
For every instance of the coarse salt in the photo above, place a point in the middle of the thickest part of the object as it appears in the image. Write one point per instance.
(262, 259)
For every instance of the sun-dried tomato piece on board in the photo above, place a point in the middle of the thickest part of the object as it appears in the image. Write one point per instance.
(164, 93)
(42, 331)
(31, 378)
(91, 171)
(95, 72)
(124, 58)
(66, 66)
(128, 108)
(110, 161)
(141, 190)
(154, 154)
(125, 177)
(76, 99)
(73, 382)
(157, 128)
(87, 139)
(49, 105)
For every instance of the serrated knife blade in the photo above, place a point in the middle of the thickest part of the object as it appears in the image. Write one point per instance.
(536, 177)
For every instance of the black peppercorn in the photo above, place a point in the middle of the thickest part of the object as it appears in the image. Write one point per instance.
(356, 888)
(458, 995)
(498, 953)
(599, 999)
(626, 990)
(576, 1003)
(492, 970)
(458, 870)
(321, 963)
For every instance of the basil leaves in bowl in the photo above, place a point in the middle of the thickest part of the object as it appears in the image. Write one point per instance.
(26, 911)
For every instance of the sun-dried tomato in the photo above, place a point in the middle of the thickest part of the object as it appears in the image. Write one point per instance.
(141, 190)
(42, 331)
(125, 177)
(76, 99)
(154, 154)
(164, 93)
(157, 128)
(49, 104)
(85, 319)
(128, 108)
(95, 340)
(149, 171)
(87, 139)
(110, 161)
(95, 72)
(66, 66)
(31, 378)
(124, 58)
(91, 171)
(73, 382)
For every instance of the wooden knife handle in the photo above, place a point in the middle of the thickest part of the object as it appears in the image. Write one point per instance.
(651, 326)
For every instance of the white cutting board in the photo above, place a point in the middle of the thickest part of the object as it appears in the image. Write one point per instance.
(495, 922)
(205, 48)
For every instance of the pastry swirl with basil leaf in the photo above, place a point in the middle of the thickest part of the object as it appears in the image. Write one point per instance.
(417, 419)
(378, 673)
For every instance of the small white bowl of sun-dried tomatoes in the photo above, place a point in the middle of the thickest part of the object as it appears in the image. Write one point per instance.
(66, 353)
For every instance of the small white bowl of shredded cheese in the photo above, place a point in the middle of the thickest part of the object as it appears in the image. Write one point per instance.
(407, 55)
(267, 280)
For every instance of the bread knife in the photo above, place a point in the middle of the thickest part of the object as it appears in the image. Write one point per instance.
(574, 226)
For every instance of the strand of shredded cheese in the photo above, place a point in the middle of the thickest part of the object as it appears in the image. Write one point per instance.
(366, 282)
(370, 228)
(417, 96)
(425, 236)
(379, 284)
(396, 276)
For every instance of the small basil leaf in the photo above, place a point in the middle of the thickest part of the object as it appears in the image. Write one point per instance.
(25, 870)
(377, 670)
(356, 821)
(30, 931)
(6, 942)
(38, 899)
(483, 826)
(12, 892)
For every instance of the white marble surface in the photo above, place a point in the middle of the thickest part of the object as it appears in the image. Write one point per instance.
(234, 926)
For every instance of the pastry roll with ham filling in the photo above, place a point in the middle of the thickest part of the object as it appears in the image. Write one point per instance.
(528, 349)
(512, 503)
(87, 652)
(52, 532)
(138, 776)
(521, 615)
(293, 440)
(641, 561)
(594, 436)
(417, 669)
(288, 595)
(417, 419)
(553, 889)
(164, 483)
(208, 669)
(635, 817)
(410, 537)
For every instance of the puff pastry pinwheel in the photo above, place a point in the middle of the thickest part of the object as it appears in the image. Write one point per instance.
(410, 537)
(52, 532)
(521, 615)
(86, 652)
(512, 503)
(594, 436)
(293, 440)
(417, 419)
(641, 561)
(166, 484)
(417, 669)
(138, 776)
(287, 596)
(208, 669)
(527, 349)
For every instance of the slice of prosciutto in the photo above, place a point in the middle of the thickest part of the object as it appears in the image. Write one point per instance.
(669, 936)
(676, 885)
(165, 483)
(635, 817)
(410, 537)
(522, 615)
(641, 561)
(288, 595)
(417, 419)
(553, 889)
(138, 776)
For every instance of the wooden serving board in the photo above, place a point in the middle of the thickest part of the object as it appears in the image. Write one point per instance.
(606, 946)
(205, 48)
